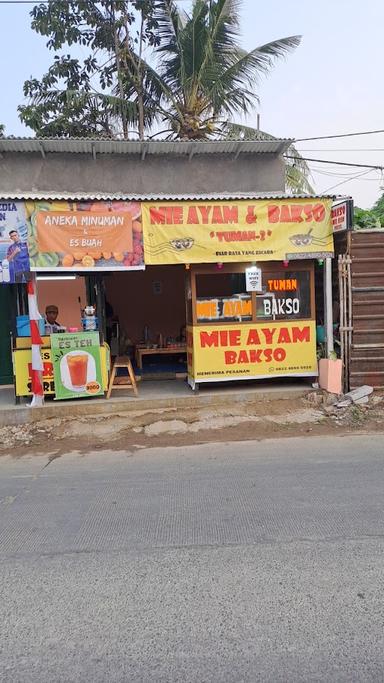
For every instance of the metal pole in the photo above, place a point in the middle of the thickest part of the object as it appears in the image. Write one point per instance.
(328, 309)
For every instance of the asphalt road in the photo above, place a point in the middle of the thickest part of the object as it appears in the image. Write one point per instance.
(259, 561)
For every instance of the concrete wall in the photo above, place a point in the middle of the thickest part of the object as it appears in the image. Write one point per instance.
(65, 295)
(25, 173)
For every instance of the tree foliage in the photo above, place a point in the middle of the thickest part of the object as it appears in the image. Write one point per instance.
(204, 76)
(297, 172)
(196, 78)
(369, 219)
(103, 93)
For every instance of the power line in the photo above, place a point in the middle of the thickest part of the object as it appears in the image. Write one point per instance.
(338, 175)
(343, 135)
(350, 149)
(342, 182)
(336, 163)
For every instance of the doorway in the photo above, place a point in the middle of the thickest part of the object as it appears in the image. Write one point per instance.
(146, 318)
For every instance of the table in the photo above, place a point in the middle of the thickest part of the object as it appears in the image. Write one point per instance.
(164, 351)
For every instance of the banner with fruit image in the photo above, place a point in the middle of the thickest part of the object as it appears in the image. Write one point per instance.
(72, 236)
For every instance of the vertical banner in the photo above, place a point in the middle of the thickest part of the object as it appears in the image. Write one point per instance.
(36, 342)
(76, 365)
(14, 257)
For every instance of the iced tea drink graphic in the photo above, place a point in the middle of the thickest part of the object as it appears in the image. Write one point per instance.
(78, 368)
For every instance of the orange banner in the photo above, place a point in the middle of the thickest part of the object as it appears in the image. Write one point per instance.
(69, 231)
(85, 235)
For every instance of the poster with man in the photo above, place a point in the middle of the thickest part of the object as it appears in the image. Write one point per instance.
(14, 256)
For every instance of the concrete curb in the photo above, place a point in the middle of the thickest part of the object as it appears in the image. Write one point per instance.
(62, 410)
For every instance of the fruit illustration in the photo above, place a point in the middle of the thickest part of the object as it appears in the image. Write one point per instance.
(118, 255)
(67, 260)
(78, 255)
(128, 259)
(29, 208)
(47, 260)
(137, 227)
(88, 261)
(107, 255)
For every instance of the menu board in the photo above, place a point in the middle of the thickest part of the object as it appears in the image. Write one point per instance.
(76, 365)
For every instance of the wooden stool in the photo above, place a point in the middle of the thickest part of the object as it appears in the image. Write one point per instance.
(127, 382)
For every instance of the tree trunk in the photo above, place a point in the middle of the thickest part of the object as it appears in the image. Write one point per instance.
(121, 90)
(140, 100)
(119, 79)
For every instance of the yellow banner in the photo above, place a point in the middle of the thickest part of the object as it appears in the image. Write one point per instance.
(259, 230)
(246, 351)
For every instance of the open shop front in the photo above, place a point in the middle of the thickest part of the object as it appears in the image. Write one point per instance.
(250, 289)
(146, 320)
(59, 339)
(233, 331)
(227, 286)
(75, 355)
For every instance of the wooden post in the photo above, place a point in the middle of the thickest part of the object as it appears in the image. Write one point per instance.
(328, 306)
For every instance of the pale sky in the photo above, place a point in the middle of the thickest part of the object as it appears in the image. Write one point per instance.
(330, 85)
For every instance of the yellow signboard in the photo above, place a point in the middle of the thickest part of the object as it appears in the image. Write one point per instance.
(246, 351)
(22, 360)
(259, 230)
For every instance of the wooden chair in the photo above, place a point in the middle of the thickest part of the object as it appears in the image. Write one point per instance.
(126, 382)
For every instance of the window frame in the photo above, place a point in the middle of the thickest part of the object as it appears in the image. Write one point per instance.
(266, 267)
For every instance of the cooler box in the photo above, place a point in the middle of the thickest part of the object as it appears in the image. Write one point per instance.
(23, 327)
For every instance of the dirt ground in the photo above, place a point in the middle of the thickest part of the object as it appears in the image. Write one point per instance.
(314, 415)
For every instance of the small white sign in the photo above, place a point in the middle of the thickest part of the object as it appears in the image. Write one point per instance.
(253, 279)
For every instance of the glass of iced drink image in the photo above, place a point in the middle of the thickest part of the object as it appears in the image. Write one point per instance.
(78, 368)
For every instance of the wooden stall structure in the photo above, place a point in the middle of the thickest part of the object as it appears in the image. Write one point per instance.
(242, 328)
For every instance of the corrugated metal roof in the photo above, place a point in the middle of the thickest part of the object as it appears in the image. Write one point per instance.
(174, 147)
(100, 196)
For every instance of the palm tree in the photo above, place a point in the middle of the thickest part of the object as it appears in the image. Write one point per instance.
(297, 172)
(197, 78)
(204, 76)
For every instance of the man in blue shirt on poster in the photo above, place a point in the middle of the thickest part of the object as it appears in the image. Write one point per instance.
(18, 258)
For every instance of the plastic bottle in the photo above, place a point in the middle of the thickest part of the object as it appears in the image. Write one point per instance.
(6, 272)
